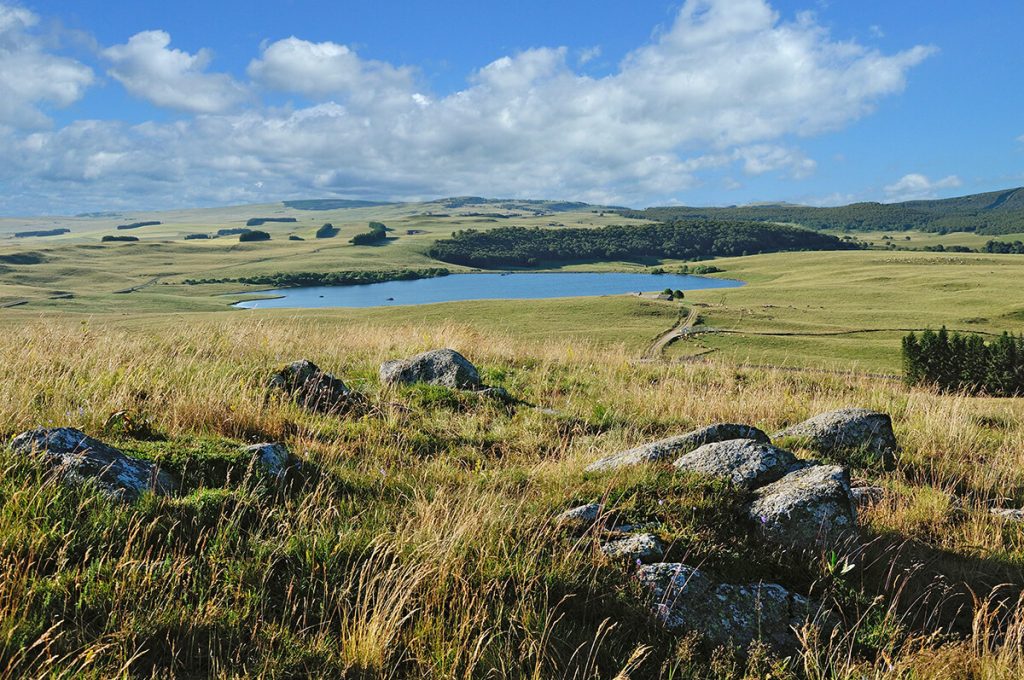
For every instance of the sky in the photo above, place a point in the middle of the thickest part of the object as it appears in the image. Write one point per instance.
(159, 105)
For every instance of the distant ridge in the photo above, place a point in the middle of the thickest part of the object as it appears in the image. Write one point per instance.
(332, 204)
(991, 213)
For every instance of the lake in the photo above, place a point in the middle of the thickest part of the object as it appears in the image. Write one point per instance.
(455, 287)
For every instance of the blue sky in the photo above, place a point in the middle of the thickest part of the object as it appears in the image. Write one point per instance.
(706, 102)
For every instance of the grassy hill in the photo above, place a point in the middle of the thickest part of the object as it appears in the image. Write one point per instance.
(991, 213)
(418, 537)
(419, 540)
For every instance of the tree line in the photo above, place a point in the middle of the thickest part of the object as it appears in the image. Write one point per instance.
(343, 278)
(683, 240)
(965, 362)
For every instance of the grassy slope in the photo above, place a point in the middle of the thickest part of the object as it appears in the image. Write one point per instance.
(796, 300)
(418, 542)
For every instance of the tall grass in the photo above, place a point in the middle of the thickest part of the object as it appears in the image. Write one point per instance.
(418, 540)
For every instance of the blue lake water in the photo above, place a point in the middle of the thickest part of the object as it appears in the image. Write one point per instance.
(513, 286)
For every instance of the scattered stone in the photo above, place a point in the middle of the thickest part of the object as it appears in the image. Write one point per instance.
(1009, 514)
(865, 496)
(581, 516)
(684, 598)
(437, 367)
(747, 463)
(273, 458)
(642, 547)
(673, 446)
(313, 388)
(805, 508)
(81, 458)
(496, 393)
(852, 430)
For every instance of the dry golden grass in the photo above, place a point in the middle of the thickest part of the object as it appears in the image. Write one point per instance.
(420, 542)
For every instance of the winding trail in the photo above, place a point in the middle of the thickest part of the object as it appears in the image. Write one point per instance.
(680, 329)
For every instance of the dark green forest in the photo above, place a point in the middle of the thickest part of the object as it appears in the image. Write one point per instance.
(684, 240)
(965, 363)
(993, 213)
(343, 278)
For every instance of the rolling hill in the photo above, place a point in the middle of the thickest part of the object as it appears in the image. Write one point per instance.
(990, 213)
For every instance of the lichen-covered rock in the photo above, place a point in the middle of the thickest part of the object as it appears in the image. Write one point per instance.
(838, 434)
(684, 599)
(673, 446)
(865, 496)
(273, 458)
(582, 516)
(642, 547)
(1009, 514)
(313, 388)
(746, 463)
(81, 458)
(809, 507)
(444, 367)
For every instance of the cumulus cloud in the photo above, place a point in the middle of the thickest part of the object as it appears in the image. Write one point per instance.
(916, 186)
(728, 84)
(325, 69)
(148, 68)
(30, 76)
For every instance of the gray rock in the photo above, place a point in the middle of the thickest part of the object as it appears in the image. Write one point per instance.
(805, 508)
(673, 446)
(684, 599)
(1009, 514)
(745, 462)
(313, 388)
(866, 496)
(643, 547)
(81, 458)
(840, 433)
(273, 458)
(444, 367)
(496, 393)
(581, 515)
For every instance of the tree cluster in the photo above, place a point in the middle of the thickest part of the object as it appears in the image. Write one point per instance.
(344, 278)
(258, 221)
(1004, 247)
(965, 363)
(378, 234)
(136, 225)
(684, 240)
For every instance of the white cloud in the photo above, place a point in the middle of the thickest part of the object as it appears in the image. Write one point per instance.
(171, 78)
(31, 77)
(727, 85)
(322, 70)
(916, 186)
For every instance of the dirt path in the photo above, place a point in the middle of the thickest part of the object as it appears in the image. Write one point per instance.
(680, 329)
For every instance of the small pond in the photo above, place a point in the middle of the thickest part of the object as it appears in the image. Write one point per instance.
(498, 286)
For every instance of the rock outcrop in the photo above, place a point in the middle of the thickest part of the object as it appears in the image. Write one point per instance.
(685, 599)
(313, 388)
(840, 434)
(273, 459)
(673, 446)
(444, 367)
(80, 458)
(809, 507)
(746, 463)
(635, 547)
(580, 517)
